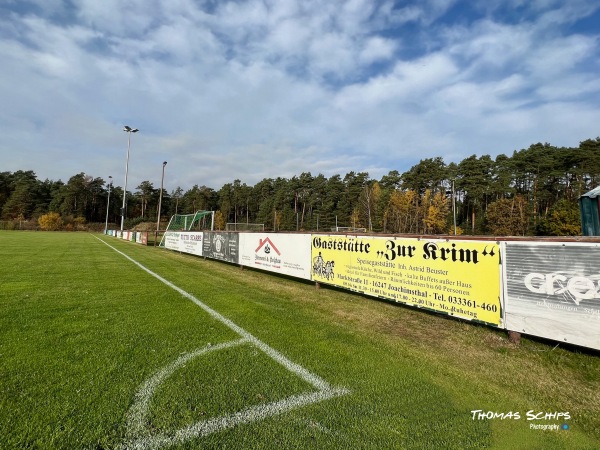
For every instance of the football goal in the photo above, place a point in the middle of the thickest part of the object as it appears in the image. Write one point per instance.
(348, 229)
(198, 221)
(231, 226)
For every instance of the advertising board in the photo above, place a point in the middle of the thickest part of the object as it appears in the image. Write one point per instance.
(460, 278)
(221, 245)
(287, 254)
(553, 291)
(142, 237)
(185, 241)
(171, 240)
(191, 242)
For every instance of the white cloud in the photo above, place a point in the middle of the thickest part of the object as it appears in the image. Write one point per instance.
(560, 55)
(408, 82)
(491, 44)
(120, 17)
(254, 89)
(377, 49)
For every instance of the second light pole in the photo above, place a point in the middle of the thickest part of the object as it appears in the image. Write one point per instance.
(160, 196)
(108, 203)
(128, 130)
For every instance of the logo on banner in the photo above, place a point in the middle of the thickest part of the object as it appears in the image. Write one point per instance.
(569, 285)
(266, 245)
(219, 243)
(323, 268)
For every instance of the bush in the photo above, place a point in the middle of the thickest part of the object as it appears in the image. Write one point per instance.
(219, 221)
(79, 224)
(50, 222)
(508, 217)
(145, 226)
(9, 225)
(129, 224)
(98, 227)
(562, 220)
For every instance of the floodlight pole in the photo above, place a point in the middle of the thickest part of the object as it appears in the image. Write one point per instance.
(128, 130)
(108, 204)
(160, 196)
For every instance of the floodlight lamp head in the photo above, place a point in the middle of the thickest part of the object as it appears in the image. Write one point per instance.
(164, 163)
(126, 128)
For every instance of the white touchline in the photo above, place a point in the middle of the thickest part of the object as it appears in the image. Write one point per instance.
(137, 414)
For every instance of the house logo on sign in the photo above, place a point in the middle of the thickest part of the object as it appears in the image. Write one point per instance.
(267, 244)
(268, 260)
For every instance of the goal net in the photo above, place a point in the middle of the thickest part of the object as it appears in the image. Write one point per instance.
(244, 226)
(348, 229)
(200, 220)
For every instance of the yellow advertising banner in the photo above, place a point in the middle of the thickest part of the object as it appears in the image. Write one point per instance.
(460, 278)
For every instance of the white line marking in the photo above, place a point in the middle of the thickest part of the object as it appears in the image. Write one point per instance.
(312, 379)
(138, 411)
(136, 416)
(248, 415)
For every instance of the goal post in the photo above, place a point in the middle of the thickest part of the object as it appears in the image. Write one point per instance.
(200, 220)
(348, 230)
(232, 226)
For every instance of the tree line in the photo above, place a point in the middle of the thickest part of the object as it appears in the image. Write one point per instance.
(534, 191)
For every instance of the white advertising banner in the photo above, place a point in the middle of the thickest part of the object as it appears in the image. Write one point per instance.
(185, 241)
(287, 254)
(553, 291)
(191, 242)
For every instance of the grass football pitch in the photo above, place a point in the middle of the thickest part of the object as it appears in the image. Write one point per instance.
(109, 344)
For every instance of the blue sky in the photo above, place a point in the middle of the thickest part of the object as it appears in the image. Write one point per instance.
(247, 90)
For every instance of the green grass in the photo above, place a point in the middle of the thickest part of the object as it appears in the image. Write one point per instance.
(82, 328)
